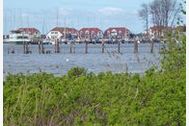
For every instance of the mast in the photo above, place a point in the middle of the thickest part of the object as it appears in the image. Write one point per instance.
(65, 29)
(57, 17)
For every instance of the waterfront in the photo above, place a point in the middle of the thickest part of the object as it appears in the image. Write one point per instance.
(95, 61)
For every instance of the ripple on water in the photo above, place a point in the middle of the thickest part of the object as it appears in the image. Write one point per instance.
(94, 61)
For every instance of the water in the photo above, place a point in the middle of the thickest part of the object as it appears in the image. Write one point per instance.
(94, 61)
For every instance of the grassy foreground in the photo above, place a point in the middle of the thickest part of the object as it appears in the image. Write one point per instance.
(81, 98)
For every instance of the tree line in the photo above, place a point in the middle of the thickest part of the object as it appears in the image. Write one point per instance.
(160, 13)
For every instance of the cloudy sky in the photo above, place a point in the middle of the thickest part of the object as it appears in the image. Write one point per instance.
(46, 14)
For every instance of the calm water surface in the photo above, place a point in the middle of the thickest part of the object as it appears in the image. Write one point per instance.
(94, 61)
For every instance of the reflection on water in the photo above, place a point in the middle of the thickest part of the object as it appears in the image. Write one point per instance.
(94, 61)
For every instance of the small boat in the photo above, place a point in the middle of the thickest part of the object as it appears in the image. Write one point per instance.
(17, 37)
(47, 42)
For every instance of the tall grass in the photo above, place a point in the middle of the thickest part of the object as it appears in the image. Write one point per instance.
(81, 98)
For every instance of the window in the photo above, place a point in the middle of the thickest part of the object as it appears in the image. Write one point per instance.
(86, 32)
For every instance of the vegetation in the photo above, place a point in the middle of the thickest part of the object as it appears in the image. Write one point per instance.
(80, 98)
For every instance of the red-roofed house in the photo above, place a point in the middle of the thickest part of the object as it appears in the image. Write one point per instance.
(119, 32)
(31, 32)
(90, 33)
(158, 31)
(61, 33)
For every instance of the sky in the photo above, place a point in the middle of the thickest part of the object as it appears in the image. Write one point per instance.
(46, 14)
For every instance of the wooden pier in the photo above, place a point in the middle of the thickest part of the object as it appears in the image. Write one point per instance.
(72, 46)
(57, 46)
(26, 48)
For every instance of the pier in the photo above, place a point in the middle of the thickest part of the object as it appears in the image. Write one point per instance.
(57, 46)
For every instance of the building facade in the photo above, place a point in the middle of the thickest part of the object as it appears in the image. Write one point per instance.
(117, 33)
(62, 34)
(32, 32)
(158, 32)
(90, 34)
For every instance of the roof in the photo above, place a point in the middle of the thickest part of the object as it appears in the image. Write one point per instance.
(28, 30)
(118, 28)
(122, 29)
(91, 29)
(64, 29)
(155, 28)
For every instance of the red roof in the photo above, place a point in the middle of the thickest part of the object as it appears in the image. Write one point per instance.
(29, 30)
(159, 28)
(96, 30)
(65, 29)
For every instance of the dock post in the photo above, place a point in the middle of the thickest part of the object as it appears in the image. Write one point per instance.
(102, 46)
(74, 47)
(55, 46)
(152, 46)
(39, 47)
(86, 46)
(24, 47)
(70, 47)
(135, 46)
(42, 48)
(118, 46)
(27, 48)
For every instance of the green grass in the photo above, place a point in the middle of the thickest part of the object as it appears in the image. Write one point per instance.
(81, 98)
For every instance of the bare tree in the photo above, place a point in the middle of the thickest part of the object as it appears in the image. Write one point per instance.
(163, 12)
(144, 15)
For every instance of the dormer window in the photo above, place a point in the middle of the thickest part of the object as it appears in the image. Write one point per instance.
(86, 32)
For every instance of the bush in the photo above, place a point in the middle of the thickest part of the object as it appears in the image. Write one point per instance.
(76, 72)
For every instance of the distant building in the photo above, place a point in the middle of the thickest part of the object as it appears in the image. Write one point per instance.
(61, 33)
(159, 31)
(32, 32)
(90, 34)
(117, 32)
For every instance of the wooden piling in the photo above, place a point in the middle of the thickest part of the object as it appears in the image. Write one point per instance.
(74, 47)
(86, 46)
(70, 47)
(103, 46)
(42, 48)
(24, 47)
(39, 47)
(27, 48)
(135, 46)
(57, 46)
(119, 46)
(152, 46)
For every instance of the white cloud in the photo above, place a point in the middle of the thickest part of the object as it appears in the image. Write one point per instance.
(111, 11)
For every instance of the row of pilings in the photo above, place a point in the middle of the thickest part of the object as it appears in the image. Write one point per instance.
(41, 48)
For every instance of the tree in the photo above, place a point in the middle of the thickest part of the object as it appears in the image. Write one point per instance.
(163, 12)
(144, 15)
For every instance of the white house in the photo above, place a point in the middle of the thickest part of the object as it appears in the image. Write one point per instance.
(61, 33)
(119, 32)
